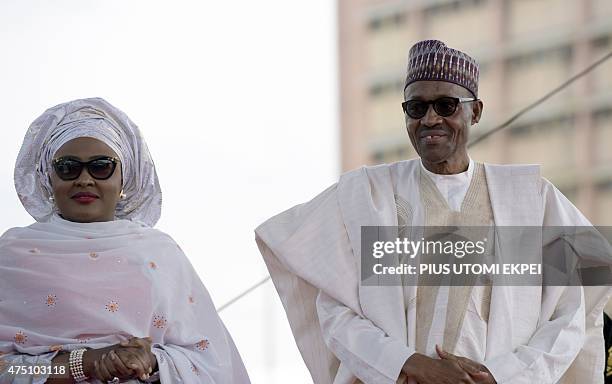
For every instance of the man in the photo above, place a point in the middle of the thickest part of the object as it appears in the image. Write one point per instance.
(350, 332)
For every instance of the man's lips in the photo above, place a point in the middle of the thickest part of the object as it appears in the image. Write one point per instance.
(432, 133)
(432, 136)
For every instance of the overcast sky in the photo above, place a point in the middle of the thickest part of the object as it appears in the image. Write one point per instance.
(238, 103)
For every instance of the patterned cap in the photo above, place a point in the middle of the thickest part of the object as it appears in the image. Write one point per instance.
(433, 60)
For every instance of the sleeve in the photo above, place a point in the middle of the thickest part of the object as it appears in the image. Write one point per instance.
(574, 329)
(313, 266)
(13, 359)
(589, 365)
(362, 347)
(553, 346)
(307, 251)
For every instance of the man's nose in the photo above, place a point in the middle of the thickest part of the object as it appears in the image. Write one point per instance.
(431, 117)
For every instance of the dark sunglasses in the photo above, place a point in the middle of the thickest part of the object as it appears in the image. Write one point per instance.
(70, 169)
(444, 106)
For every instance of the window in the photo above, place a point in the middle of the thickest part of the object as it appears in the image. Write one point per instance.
(529, 17)
(533, 75)
(392, 20)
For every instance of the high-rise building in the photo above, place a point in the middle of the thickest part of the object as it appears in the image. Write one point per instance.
(525, 49)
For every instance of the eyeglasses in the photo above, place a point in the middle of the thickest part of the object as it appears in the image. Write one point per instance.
(70, 169)
(444, 106)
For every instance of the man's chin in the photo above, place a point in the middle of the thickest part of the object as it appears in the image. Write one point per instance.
(434, 158)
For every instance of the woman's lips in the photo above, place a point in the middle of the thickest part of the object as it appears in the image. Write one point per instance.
(85, 199)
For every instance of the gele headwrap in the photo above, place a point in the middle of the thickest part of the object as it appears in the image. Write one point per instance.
(98, 119)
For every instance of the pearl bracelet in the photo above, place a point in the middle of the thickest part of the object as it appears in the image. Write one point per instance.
(76, 365)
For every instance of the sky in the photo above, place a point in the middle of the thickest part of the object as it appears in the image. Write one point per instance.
(238, 102)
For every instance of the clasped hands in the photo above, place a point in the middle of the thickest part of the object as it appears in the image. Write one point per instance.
(448, 369)
(129, 359)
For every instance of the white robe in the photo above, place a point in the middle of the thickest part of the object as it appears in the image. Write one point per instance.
(314, 248)
(472, 333)
(67, 285)
(452, 187)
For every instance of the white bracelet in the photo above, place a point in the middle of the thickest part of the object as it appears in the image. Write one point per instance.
(76, 365)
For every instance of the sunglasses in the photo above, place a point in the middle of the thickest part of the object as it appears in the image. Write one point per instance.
(444, 106)
(70, 169)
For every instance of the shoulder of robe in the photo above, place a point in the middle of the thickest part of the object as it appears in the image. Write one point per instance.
(523, 179)
(284, 224)
(514, 169)
(363, 170)
(379, 170)
(319, 200)
(558, 209)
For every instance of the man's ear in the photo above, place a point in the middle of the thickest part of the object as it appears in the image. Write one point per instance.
(476, 111)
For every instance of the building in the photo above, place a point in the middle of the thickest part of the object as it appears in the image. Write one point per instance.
(525, 49)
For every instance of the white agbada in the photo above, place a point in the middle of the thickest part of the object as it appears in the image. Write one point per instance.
(66, 285)
(365, 333)
(453, 189)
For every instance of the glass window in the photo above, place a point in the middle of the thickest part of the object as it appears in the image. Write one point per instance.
(602, 9)
(533, 75)
(603, 206)
(602, 126)
(460, 24)
(387, 44)
(385, 116)
(550, 143)
(602, 75)
(527, 17)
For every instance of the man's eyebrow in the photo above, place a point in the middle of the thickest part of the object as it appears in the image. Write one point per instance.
(433, 97)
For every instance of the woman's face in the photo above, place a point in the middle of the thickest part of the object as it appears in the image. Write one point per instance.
(86, 199)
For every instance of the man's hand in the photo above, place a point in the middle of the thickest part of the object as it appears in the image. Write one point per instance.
(425, 370)
(479, 373)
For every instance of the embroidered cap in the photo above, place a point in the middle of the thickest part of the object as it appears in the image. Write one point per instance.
(433, 60)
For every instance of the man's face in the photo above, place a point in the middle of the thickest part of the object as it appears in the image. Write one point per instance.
(106, 192)
(440, 139)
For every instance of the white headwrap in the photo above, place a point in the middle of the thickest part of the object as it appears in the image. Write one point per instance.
(98, 119)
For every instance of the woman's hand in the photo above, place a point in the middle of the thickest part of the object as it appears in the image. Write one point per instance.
(109, 366)
(126, 360)
(122, 363)
(144, 344)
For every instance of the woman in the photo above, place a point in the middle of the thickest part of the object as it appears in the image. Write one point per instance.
(91, 292)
